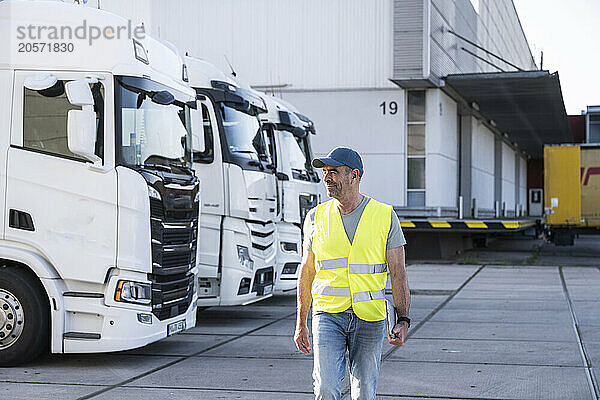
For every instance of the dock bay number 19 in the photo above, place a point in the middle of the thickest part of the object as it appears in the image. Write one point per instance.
(390, 107)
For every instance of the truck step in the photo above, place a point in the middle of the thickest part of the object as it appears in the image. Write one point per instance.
(84, 294)
(81, 335)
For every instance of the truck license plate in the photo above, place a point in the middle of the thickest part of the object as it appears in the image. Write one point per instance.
(268, 289)
(175, 327)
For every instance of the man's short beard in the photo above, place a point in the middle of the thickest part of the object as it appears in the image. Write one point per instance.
(333, 192)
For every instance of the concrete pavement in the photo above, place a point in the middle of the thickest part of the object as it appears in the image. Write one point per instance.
(478, 332)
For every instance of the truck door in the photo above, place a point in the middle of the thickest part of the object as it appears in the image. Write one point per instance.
(208, 164)
(61, 205)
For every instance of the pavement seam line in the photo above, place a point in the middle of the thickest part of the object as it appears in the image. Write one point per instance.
(402, 361)
(493, 340)
(401, 396)
(56, 383)
(346, 391)
(171, 363)
(588, 367)
(483, 363)
(218, 389)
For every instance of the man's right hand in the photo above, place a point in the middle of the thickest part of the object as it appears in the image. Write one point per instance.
(399, 332)
(301, 339)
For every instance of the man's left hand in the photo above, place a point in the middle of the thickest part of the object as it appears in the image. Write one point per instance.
(399, 332)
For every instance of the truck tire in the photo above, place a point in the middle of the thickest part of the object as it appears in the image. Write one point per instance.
(23, 318)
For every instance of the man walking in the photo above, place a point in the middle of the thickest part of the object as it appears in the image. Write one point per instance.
(350, 242)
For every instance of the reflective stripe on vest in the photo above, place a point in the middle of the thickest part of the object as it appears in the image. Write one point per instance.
(332, 263)
(367, 268)
(351, 274)
(368, 295)
(331, 291)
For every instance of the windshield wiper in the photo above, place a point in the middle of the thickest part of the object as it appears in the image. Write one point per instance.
(244, 151)
(161, 167)
(185, 168)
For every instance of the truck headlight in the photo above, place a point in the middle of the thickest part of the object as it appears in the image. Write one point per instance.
(244, 257)
(154, 193)
(133, 292)
(289, 247)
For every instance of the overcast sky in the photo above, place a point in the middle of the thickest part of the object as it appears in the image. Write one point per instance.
(568, 31)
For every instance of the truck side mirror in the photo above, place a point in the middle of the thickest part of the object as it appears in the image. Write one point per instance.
(81, 124)
(79, 93)
(81, 134)
(198, 128)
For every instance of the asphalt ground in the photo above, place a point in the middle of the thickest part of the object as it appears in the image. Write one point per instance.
(492, 330)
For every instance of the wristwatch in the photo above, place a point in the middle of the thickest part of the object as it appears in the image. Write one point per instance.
(405, 319)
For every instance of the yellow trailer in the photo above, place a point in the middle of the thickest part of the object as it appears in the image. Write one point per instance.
(572, 191)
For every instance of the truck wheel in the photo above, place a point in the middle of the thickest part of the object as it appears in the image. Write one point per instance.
(23, 318)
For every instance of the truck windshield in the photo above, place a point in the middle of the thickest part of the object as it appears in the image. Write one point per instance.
(243, 133)
(304, 144)
(152, 124)
(293, 150)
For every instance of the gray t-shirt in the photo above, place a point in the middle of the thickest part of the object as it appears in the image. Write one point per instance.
(350, 222)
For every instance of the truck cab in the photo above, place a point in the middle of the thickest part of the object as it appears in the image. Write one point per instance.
(236, 256)
(288, 134)
(99, 201)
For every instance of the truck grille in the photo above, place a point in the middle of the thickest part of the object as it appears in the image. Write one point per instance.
(158, 211)
(173, 234)
(177, 236)
(174, 230)
(263, 238)
(171, 295)
(156, 208)
(261, 247)
(176, 259)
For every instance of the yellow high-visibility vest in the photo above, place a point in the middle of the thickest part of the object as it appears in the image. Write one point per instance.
(351, 274)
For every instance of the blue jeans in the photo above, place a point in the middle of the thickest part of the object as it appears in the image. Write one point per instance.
(333, 334)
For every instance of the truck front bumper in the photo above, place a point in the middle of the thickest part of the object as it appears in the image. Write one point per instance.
(104, 329)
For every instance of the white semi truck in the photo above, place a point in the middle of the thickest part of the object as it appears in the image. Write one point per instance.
(236, 255)
(99, 203)
(288, 134)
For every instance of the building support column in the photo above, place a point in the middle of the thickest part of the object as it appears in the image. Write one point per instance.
(517, 179)
(498, 172)
(464, 164)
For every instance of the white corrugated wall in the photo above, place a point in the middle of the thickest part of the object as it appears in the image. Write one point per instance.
(496, 28)
(309, 44)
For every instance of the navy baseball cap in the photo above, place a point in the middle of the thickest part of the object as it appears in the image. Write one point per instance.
(340, 156)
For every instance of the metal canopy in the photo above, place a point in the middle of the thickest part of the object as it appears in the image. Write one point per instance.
(526, 105)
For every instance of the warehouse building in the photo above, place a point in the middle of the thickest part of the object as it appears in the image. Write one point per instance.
(441, 97)
(586, 127)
